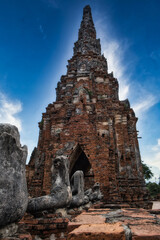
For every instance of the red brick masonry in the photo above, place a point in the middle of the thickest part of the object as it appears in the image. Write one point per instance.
(90, 125)
(94, 224)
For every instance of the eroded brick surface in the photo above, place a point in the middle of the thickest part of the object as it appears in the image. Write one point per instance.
(128, 224)
(90, 125)
(98, 231)
(145, 232)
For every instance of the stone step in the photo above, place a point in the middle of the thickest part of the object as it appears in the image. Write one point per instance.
(122, 224)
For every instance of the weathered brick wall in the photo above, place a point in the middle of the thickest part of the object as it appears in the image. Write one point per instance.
(88, 117)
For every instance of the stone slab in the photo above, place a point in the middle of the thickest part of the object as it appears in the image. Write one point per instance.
(145, 232)
(102, 231)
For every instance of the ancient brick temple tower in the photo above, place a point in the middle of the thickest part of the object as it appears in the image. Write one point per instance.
(89, 124)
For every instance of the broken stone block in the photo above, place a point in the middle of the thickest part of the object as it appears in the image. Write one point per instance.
(13, 188)
(94, 194)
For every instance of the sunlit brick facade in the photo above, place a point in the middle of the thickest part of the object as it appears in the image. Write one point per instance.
(89, 124)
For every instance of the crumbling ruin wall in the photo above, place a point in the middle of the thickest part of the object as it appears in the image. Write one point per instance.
(88, 113)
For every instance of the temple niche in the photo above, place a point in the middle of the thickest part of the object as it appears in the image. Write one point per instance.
(91, 127)
(79, 161)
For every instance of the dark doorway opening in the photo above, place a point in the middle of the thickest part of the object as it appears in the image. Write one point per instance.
(79, 161)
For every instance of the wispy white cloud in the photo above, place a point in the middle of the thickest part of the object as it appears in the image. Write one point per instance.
(112, 50)
(156, 148)
(155, 55)
(156, 172)
(144, 104)
(41, 29)
(9, 110)
(152, 158)
(115, 51)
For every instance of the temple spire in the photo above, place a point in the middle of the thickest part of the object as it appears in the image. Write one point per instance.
(87, 41)
(87, 29)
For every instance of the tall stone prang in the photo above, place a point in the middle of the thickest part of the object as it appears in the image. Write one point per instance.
(91, 126)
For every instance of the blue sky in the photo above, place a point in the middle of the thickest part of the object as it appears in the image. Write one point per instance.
(37, 38)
